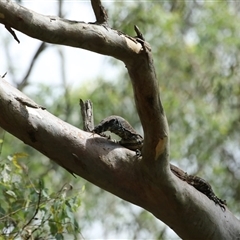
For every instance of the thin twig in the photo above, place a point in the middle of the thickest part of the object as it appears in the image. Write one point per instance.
(12, 33)
(139, 34)
(37, 208)
(24, 82)
(3, 76)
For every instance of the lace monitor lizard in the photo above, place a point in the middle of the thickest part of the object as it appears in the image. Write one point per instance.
(134, 141)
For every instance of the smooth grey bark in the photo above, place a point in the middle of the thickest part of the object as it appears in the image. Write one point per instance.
(146, 181)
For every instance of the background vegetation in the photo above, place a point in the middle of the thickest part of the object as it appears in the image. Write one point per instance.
(196, 51)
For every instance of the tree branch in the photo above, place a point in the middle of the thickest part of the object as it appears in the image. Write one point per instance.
(56, 30)
(150, 109)
(108, 165)
(114, 168)
(136, 56)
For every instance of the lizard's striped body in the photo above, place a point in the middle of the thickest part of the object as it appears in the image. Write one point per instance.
(129, 137)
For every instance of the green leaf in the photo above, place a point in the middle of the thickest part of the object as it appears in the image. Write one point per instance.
(11, 193)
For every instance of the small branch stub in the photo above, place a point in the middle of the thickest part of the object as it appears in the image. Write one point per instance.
(12, 33)
(100, 12)
(87, 115)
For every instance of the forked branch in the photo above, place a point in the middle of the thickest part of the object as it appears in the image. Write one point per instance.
(108, 165)
(134, 52)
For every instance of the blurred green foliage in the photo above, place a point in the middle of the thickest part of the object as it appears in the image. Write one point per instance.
(27, 208)
(196, 53)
